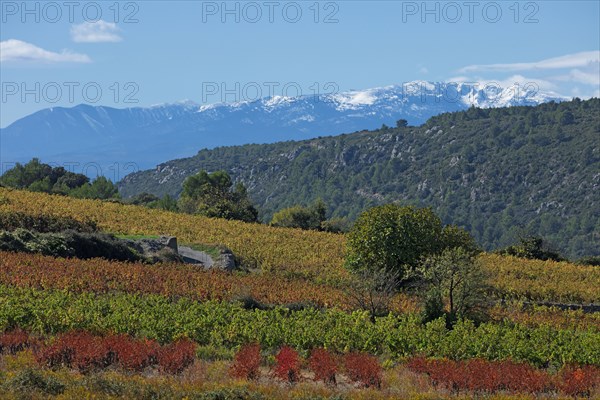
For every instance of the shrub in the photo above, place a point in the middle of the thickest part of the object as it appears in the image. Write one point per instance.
(364, 369)
(323, 365)
(30, 379)
(93, 245)
(532, 247)
(105, 386)
(14, 341)
(246, 363)
(175, 357)
(478, 375)
(82, 245)
(579, 381)
(132, 354)
(77, 349)
(287, 365)
(84, 351)
(523, 378)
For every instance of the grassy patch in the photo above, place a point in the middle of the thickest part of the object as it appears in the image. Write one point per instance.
(213, 251)
(137, 237)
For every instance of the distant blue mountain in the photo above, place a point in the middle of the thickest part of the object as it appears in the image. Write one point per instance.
(143, 137)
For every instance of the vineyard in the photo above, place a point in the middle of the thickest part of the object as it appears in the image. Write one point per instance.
(290, 252)
(92, 354)
(285, 327)
(294, 253)
(219, 325)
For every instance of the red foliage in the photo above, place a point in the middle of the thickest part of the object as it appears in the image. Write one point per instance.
(287, 365)
(483, 376)
(246, 363)
(78, 349)
(579, 381)
(323, 365)
(14, 341)
(364, 368)
(84, 351)
(176, 357)
(523, 378)
(132, 354)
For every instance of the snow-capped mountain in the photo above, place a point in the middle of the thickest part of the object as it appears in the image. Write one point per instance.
(130, 138)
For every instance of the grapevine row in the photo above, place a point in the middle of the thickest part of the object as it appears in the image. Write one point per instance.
(229, 325)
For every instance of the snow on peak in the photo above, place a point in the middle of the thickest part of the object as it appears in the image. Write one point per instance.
(354, 99)
(278, 100)
(479, 94)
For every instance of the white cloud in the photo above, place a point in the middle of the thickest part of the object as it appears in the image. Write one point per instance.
(95, 32)
(578, 72)
(13, 50)
(577, 60)
(518, 80)
(586, 76)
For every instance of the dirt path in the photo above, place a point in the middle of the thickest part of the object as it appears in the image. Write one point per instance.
(196, 257)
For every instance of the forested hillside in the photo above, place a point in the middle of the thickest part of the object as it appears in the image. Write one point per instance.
(497, 172)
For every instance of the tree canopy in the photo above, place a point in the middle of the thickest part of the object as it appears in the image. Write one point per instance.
(214, 195)
(39, 177)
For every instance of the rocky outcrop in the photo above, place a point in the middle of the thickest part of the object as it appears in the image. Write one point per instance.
(162, 249)
(226, 260)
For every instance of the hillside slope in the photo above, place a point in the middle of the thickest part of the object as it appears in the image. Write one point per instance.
(497, 172)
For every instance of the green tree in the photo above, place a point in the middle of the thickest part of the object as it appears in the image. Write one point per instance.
(394, 239)
(566, 118)
(144, 199)
(39, 177)
(167, 203)
(22, 176)
(296, 217)
(212, 195)
(101, 188)
(313, 217)
(454, 237)
(532, 247)
(401, 123)
(373, 291)
(454, 285)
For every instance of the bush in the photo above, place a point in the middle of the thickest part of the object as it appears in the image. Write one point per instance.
(78, 349)
(579, 381)
(532, 247)
(30, 379)
(132, 354)
(246, 363)
(364, 369)
(95, 245)
(87, 352)
(176, 357)
(14, 341)
(82, 245)
(105, 386)
(323, 365)
(478, 375)
(287, 365)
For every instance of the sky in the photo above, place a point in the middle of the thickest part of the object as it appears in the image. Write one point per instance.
(143, 53)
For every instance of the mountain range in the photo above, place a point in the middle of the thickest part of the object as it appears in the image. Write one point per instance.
(138, 138)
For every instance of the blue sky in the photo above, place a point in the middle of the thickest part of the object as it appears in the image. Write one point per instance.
(157, 51)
